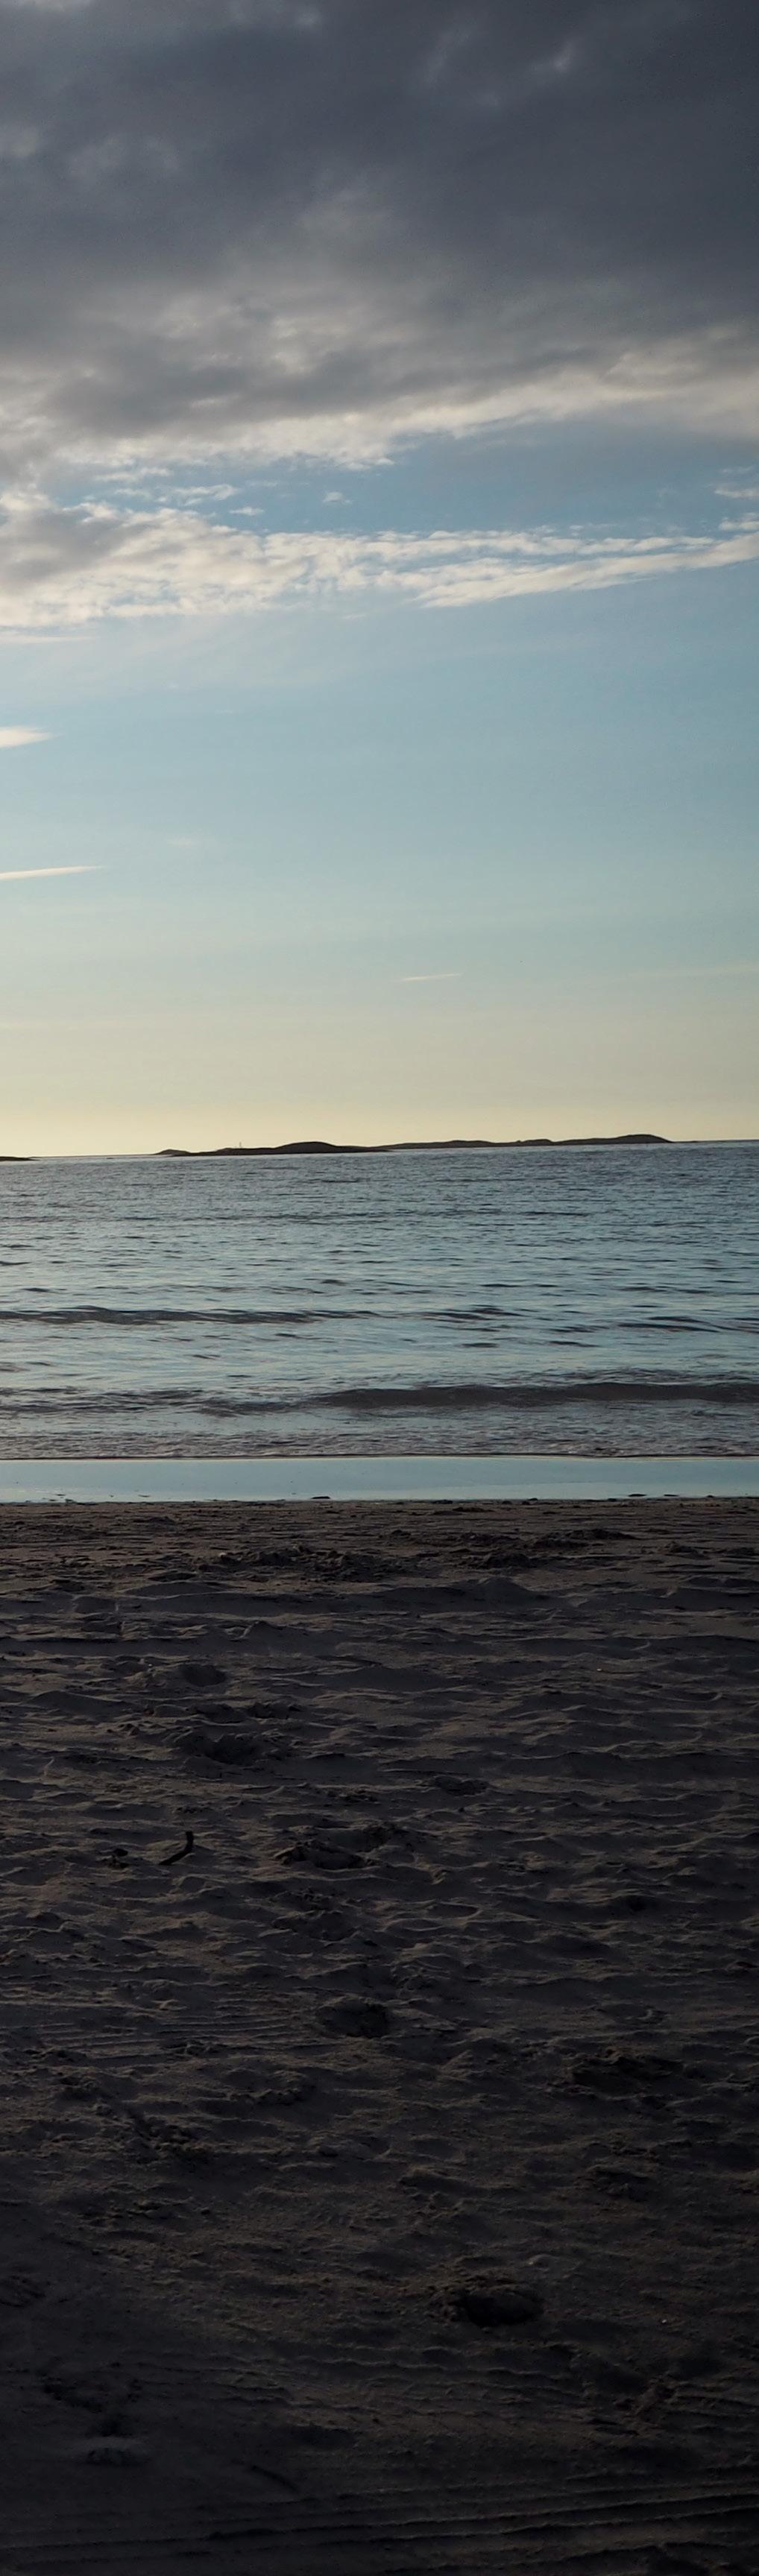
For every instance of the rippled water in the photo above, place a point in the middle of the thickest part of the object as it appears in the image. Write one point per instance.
(593, 1300)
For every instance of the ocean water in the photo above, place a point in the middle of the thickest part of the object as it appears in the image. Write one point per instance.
(592, 1302)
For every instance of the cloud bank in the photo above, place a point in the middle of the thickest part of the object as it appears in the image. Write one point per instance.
(277, 229)
(312, 227)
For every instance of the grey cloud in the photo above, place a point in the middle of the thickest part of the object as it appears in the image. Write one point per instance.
(237, 224)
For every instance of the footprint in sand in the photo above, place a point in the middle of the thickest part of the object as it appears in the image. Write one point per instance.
(498, 2306)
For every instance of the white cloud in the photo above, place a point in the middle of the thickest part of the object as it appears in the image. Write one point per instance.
(738, 491)
(12, 876)
(16, 737)
(65, 567)
(450, 976)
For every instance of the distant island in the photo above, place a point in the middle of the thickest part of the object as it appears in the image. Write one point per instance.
(424, 1145)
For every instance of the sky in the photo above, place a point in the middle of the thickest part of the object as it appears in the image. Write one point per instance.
(379, 570)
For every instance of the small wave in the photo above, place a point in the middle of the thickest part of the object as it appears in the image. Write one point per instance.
(135, 1318)
(546, 1393)
(126, 1400)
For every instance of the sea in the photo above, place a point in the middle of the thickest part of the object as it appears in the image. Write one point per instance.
(599, 1302)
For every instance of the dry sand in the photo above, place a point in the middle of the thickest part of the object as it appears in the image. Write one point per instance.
(380, 2181)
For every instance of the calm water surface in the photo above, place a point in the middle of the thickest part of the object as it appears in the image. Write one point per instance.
(598, 1302)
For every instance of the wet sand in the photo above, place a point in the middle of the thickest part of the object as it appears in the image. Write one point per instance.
(380, 2039)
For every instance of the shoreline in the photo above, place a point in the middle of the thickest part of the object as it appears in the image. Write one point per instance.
(381, 2103)
(389, 1478)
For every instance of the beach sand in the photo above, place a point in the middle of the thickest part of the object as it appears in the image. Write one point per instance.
(380, 2179)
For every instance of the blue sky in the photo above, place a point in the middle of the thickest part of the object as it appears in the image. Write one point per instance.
(400, 782)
